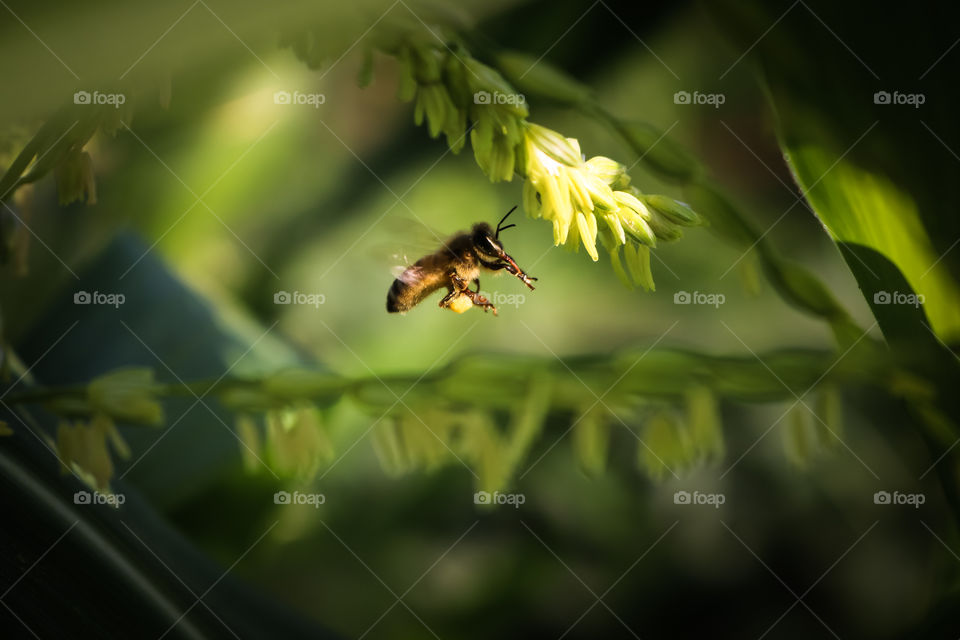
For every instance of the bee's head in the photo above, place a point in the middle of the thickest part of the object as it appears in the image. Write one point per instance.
(486, 241)
(486, 244)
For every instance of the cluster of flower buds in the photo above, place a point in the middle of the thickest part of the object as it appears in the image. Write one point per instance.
(75, 178)
(586, 200)
(290, 438)
(677, 441)
(592, 199)
(126, 395)
(450, 88)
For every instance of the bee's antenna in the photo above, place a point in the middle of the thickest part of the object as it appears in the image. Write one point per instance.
(502, 220)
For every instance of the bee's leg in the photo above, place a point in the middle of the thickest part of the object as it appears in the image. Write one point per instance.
(452, 293)
(456, 287)
(461, 286)
(481, 300)
(511, 269)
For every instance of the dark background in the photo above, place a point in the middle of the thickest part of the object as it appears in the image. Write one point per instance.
(799, 549)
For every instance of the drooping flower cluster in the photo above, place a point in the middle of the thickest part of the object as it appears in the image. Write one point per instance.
(592, 199)
(485, 412)
(125, 395)
(450, 88)
(586, 200)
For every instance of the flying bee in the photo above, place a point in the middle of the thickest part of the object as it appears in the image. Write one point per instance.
(456, 265)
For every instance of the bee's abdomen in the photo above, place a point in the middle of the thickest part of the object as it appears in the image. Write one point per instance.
(414, 284)
(396, 300)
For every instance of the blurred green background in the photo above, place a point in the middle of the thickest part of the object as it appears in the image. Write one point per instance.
(322, 199)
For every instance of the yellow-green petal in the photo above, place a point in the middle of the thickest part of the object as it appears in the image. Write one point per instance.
(588, 233)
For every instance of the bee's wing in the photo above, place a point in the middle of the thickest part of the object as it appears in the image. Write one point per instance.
(413, 232)
(402, 240)
(408, 275)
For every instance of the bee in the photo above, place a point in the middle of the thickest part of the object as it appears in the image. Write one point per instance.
(456, 265)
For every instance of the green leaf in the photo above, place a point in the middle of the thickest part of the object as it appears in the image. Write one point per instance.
(862, 208)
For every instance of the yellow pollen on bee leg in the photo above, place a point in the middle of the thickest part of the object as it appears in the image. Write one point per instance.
(460, 304)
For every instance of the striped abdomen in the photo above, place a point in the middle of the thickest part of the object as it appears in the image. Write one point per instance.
(416, 282)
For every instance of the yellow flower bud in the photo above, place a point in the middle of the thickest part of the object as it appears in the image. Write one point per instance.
(126, 394)
(84, 448)
(637, 227)
(613, 221)
(675, 212)
(638, 262)
(630, 201)
(75, 178)
(579, 192)
(606, 169)
(588, 233)
(554, 145)
(618, 268)
(600, 193)
(663, 228)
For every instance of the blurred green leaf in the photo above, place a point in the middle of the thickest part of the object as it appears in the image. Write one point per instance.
(862, 208)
